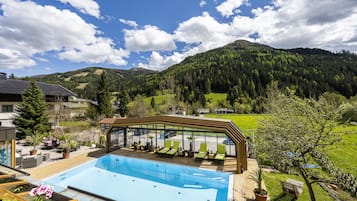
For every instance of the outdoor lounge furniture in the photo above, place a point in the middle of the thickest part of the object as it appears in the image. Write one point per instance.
(292, 186)
(166, 147)
(31, 161)
(174, 149)
(221, 152)
(203, 151)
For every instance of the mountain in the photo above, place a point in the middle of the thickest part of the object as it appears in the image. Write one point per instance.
(241, 69)
(83, 81)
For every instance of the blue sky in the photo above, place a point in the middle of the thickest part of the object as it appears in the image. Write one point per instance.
(47, 36)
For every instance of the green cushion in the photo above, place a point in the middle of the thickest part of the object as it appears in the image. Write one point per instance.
(220, 157)
(221, 152)
(163, 151)
(221, 149)
(171, 152)
(174, 149)
(168, 144)
(201, 155)
(203, 147)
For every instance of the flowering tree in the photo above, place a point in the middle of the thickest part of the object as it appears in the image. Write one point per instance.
(294, 130)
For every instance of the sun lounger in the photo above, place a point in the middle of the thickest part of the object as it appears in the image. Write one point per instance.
(202, 152)
(174, 149)
(166, 148)
(221, 152)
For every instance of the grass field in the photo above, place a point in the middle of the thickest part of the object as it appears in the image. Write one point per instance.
(248, 123)
(272, 181)
(159, 100)
(343, 154)
(212, 99)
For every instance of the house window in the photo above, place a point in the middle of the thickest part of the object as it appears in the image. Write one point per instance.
(7, 108)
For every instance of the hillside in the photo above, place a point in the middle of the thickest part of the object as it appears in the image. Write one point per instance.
(83, 81)
(242, 70)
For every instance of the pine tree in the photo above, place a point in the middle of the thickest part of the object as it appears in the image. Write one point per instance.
(123, 100)
(152, 103)
(103, 97)
(31, 119)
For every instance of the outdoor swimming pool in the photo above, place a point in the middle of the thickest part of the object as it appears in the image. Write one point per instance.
(130, 179)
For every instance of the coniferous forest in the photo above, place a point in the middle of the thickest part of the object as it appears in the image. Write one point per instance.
(241, 69)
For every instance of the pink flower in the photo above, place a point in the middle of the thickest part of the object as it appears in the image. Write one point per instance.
(42, 190)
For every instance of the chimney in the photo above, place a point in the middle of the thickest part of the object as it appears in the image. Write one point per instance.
(3, 76)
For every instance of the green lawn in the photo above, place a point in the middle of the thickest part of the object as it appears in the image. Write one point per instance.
(161, 99)
(343, 153)
(248, 123)
(272, 181)
(212, 99)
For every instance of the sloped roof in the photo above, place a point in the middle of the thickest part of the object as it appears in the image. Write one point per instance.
(220, 125)
(18, 86)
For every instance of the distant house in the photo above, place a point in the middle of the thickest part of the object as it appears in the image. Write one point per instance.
(203, 110)
(76, 107)
(223, 111)
(10, 96)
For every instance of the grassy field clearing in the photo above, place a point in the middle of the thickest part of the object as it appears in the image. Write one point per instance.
(343, 154)
(248, 123)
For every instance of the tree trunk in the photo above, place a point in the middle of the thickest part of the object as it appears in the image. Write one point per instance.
(307, 182)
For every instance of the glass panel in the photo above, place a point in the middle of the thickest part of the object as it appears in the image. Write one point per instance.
(5, 153)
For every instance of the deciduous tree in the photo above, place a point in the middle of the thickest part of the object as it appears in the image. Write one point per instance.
(295, 129)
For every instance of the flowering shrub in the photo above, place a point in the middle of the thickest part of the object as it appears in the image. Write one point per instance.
(40, 191)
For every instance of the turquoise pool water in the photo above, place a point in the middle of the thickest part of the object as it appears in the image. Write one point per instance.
(130, 179)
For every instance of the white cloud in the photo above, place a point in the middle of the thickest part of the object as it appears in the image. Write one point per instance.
(89, 7)
(12, 59)
(130, 23)
(204, 31)
(28, 29)
(99, 52)
(203, 3)
(300, 23)
(227, 8)
(159, 62)
(150, 38)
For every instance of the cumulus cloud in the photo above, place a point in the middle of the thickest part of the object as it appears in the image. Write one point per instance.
(130, 23)
(301, 23)
(12, 59)
(227, 8)
(151, 38)
(158, 62)
(28, 29)
(204, 31)
(88, 7)
(99, 52)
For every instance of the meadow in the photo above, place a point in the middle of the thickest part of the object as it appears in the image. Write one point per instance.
(343, 154)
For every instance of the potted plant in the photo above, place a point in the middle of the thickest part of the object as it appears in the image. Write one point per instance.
(151, 147)
(260, 193)
(36, 140)
(67, 145)
(191, 152)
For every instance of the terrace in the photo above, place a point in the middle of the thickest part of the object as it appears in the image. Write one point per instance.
(216, 134)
